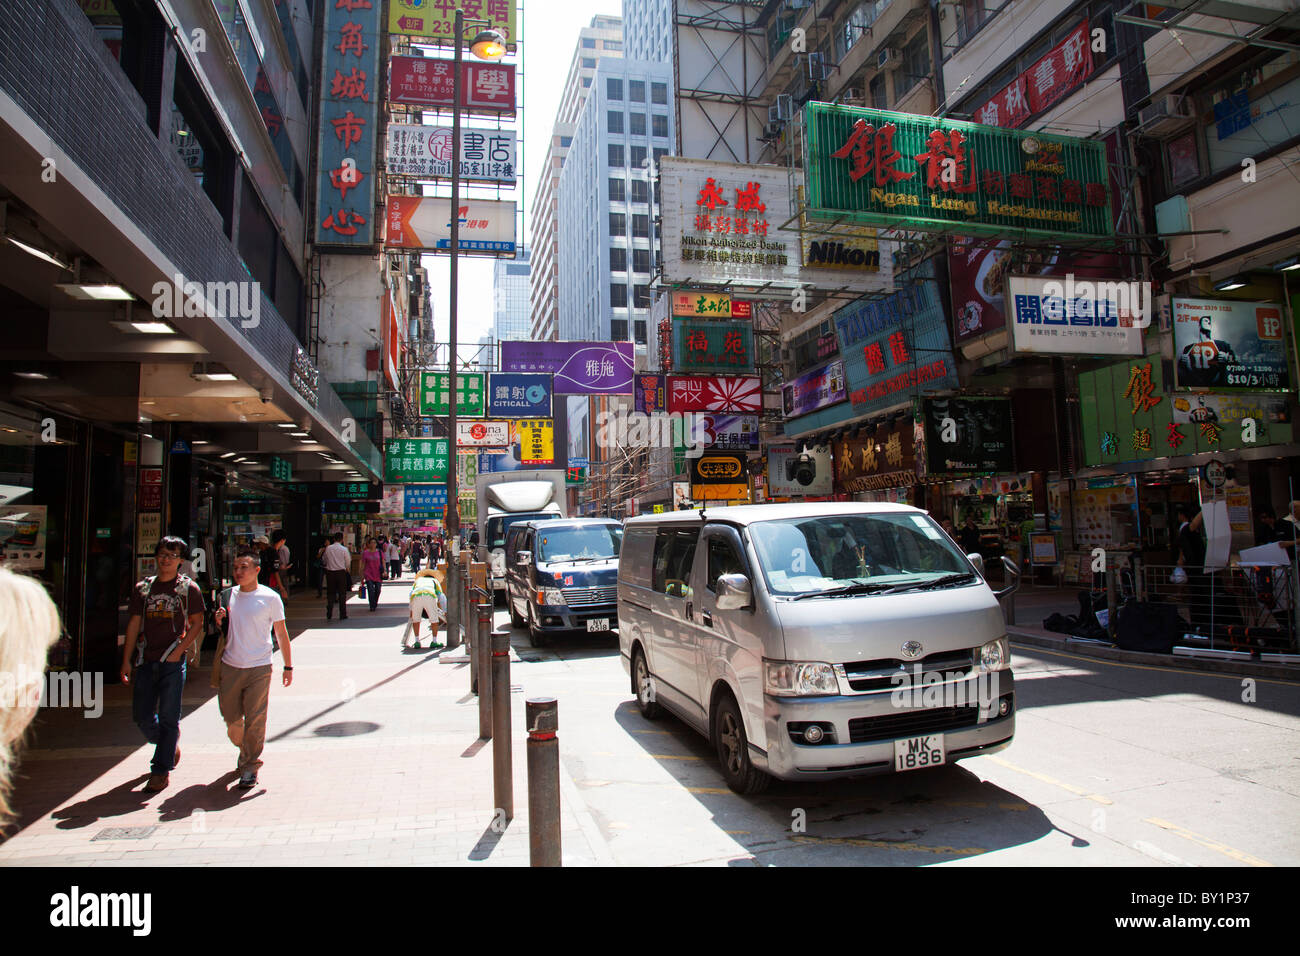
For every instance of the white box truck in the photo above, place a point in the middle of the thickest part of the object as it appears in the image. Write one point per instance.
(507, 497)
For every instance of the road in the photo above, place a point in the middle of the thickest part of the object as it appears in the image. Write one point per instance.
(1112, 765)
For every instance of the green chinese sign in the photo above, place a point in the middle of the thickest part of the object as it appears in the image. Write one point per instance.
(434, 389)
(354, 489)
(281, 470)
(416, 460)
(1127, 415)
(899, 170)
(704, 346)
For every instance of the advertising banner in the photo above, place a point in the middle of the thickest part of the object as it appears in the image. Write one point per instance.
(578, 439)
(966, 436)
(719, 476)
(435, 399)
(1077, 316)
(1061, 69)
(709, 305)
(700, 393)
(703, 346)
(730, 432)
(393, 503)
(424, 82)
(899, 170)
(416, 460)
(886, 459)
(425, 501)
(22, 536)
(791, 473)
(813, 390)
(1222, 344)
(484, 434)
(537, 441)
(424, 222)
(650, 394)
(519, 395)
(580, 368)
(487, 155)
(435, 20)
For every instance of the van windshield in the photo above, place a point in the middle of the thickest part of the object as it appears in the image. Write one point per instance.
(806, 555)
(577, 544)
(498, 527)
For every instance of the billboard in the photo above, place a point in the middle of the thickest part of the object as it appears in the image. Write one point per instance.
(1077, 316)
(650, 394)
(435, 20)
(427, 83)
(484, 434)
(714, 393)
(885, 459)
(719, 476)
(791, 473)
(698, 304)
(519, 395)
(703, 346)
(424, 501)
(424, 222)
(537, 441)
(730, 432)
(435, 400)
(813, 390)
(487, 155)
(580, 368)
(416, 460)
(1222, 344)
(965, 436)
(1058, 71)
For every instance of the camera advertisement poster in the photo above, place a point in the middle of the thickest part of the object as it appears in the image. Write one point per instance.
(1221, 344)
(966, 436)
(791, 473)
(22, 536)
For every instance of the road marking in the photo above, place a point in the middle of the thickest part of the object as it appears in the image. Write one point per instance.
(672, 757)
(737, 832)
(1205, 841)
(889, 845)
(1153, 851)
(665, 732)
(1237, 678)
(1079, 791)
(709, 790)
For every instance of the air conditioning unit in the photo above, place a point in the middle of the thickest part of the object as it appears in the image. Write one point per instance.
(1165, 116)
(784, 107)
(816, 67)
(852, 95)
(773, 131)
(889, 58)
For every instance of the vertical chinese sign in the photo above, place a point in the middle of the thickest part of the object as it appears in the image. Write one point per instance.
(348, 134)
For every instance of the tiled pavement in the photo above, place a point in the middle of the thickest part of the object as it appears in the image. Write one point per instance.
(372, 759)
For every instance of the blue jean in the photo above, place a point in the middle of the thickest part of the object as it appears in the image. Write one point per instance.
(156, 708)
(372, 593)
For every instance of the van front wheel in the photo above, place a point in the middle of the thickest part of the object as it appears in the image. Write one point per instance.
(644, 687)
(733, 750)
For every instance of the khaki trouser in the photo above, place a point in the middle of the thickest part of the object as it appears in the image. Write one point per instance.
(243, 698)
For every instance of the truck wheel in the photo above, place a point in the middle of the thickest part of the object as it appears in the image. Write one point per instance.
(515, 619)
(733, 750)
(535, 635)
(643, 687)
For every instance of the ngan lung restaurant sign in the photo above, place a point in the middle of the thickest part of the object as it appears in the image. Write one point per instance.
(875, 167)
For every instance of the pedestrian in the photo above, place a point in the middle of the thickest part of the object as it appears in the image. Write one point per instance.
(1266, 526)
(165, 618)
(969, 536)
(254, 611)
(281, 548)
(1189, 553)
(948, 527)
(372, 569)
(267, 562)
(393, 555)
(427, 600)
(417, 554)
(29, 625)
(337, 561)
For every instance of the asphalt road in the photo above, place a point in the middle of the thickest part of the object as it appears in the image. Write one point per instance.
(1112, 765)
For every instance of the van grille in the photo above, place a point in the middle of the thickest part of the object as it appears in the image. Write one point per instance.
(878, 674)
(577, 597)
(912, 723)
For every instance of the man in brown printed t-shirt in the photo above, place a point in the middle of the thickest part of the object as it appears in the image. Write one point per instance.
(166, 617)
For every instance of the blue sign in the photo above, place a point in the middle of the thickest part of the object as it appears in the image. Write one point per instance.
(519, 395)
(180, 447)
(424, 501)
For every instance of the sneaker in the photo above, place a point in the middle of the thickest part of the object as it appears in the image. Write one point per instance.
(248, 780)
(157, 782)
(416, 645)
(435, 646)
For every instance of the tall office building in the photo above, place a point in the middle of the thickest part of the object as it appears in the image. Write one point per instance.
(510, 282)
(603, 38)
(648, 30)
(605, 208)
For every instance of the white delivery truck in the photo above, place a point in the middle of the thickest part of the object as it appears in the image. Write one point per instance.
(507, 497)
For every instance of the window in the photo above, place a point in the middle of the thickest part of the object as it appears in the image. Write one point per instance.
(660, 125)
(660, 153)
(636, 91)
(614, 88)
(588, 43)
(618, 260)
(588, 63)
(616, 155)
(853, 27)
(617, 224)
(640, 227)
(566, 142)
(916, 65)
(879, 95)
(970, 16)
(586, 82)
(659, 93)
(616, 121)
(640, 191)
(723, 559)
(1183, 162)
(639, 327)
(636, 122)
(617, 295)
(617, 189)
(618, 330)
(613, 44)
(674, 555)
(641, 297)
(640, 260)
(638, 156)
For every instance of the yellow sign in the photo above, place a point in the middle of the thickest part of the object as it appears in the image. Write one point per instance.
(658, 509)
(537, 441)
(428, 18)
(728, 493)
(701, 303)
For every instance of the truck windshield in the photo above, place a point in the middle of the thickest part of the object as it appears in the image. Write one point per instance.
(804, 555)
(574, 544)
(497, 527)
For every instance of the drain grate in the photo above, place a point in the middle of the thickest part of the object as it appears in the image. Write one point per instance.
(123, 833)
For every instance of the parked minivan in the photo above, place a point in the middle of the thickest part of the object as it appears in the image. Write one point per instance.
(562, 576)
(817, 640)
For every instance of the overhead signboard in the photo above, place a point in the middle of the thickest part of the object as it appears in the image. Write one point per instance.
(650, 394)
(416, 460)
(721, 226)
(482, 434)
(727, 432)
(519, 394)
(719, 476)
(709, 305)
(434, 21)
(537, 441)
(425, 501)
(884, 459)
(1059, 70)
(424, 222)
(813, 390)
(795, 473)
(704, 346)
(1223, 344)
(580, 368)
(899, 170)
(1069, 316)
(714, 393)
(486, 155)
(965, 436)
(435, 399)
(427, 83)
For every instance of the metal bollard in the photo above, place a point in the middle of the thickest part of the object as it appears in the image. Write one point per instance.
(1112, 598)
(472, 646)
(543, 720)
(482, 655)
(502, 769)
(466, 601)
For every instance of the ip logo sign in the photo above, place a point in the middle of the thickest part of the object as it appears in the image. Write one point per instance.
(1269, 323)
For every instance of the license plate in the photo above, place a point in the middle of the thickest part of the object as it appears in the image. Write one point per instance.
(915, 753)
(598, 624)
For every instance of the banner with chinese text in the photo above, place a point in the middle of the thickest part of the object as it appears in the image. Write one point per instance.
(885, 459)
(435, 20)
(425, 151)
(424, 82)
(580, 368)
(435, 400)
(416, 460)
(519, 394)
(537, 441)
(701, 346)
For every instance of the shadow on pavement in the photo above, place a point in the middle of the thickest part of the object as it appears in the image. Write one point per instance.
(488, 841)
(121, 800)
(210, 798)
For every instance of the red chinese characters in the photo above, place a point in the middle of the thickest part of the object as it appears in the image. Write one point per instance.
(352, 87)
(348, 128)
(947, 166)
(872, 151)
(352, 40)
(748, 201)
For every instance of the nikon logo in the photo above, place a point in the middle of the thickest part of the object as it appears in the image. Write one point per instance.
(719, 467)
(837, 254)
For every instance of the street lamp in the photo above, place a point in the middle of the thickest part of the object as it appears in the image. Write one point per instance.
(488, 45)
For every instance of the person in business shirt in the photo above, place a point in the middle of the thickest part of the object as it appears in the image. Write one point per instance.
(337, 561)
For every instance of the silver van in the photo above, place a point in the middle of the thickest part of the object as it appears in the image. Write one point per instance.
(819, 640)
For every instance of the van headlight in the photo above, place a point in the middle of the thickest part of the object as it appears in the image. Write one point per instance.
(799, 678)
(552, 597)
(995, 655)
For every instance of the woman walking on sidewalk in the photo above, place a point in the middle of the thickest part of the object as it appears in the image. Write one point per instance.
(427, 599)
(372, 572)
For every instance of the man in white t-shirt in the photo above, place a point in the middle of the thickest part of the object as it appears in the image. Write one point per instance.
(254, 610)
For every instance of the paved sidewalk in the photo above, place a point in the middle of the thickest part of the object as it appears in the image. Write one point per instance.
(372, 759)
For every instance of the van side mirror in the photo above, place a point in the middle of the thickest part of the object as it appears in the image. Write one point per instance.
(978, 561)
(734, 592)
(523, 557)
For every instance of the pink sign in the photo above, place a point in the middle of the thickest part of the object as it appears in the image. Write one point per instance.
(1055, 74)
(714, 393)
(423, 81)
